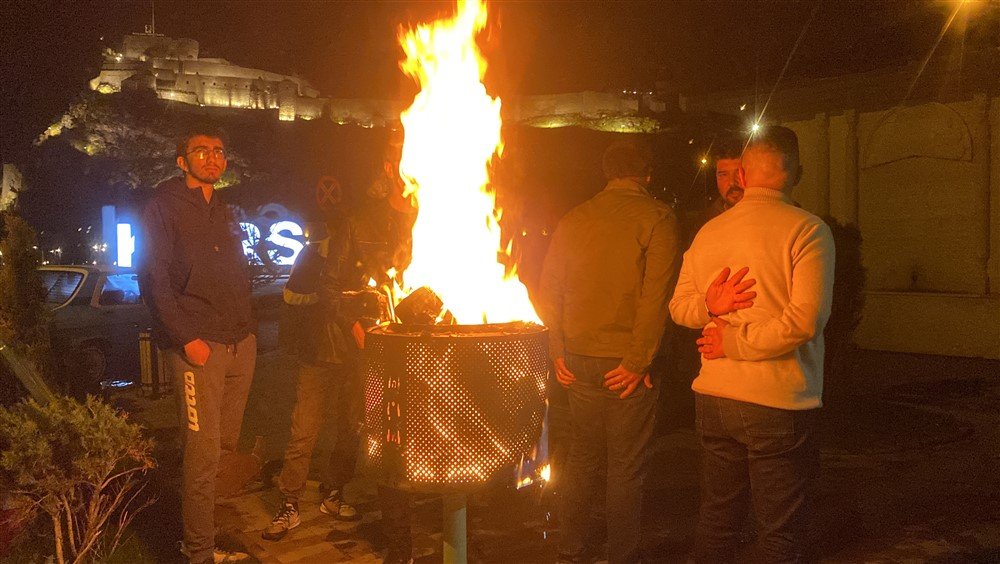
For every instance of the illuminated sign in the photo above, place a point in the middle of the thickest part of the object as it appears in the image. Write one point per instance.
(280, 244)
(283, 242)
(126, 245)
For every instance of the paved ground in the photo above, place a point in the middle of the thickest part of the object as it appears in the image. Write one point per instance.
(911, 473)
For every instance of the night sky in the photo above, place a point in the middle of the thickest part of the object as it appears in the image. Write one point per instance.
(348, 49)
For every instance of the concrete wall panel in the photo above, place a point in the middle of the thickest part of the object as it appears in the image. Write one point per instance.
(843, 151)
(931, 324)
(812, 193)
(921, 215)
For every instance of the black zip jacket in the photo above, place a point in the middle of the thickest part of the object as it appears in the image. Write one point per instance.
(193, 273)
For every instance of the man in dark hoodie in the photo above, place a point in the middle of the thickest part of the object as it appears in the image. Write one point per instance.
(195, 282)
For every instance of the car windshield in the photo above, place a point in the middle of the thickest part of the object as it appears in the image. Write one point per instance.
(59, 285)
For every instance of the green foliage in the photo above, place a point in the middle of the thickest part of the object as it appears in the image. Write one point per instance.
(23, 316)
(82, 464)
(130, 138)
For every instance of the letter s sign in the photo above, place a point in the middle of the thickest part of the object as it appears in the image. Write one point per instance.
(282, 249)
(285, 243)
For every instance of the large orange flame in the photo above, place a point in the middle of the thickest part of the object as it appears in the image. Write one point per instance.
(451, 132)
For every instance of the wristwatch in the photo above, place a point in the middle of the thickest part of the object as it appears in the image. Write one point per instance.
(710, 314)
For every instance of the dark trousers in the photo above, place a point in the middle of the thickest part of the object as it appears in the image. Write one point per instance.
(212, 399)
(395, 506)
(322, 392)
(612, 433)
(758, 453)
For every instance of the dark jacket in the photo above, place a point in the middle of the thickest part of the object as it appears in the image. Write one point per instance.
(325, 297)
(193, 272)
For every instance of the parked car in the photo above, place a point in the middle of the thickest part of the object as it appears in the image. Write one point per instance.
(97, 314)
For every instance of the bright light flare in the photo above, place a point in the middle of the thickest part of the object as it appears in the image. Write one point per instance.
(451, 134)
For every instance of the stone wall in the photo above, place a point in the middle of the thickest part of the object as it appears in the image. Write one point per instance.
(142, 46)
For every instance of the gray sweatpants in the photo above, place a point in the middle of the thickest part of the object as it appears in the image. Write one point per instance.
(212, 399)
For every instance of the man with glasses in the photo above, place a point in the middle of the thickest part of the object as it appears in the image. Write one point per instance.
(194, 279)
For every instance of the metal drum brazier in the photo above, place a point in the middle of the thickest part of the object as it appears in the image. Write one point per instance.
(449, 408)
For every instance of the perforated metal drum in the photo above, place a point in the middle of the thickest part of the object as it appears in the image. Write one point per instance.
(450, 408)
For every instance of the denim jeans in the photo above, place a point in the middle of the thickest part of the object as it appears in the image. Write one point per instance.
(612, 433)
(758, 454)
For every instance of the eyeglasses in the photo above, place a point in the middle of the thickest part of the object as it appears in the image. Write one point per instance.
(202, 153)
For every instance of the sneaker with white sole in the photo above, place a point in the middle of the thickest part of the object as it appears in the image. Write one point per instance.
(340, 511)
(397, 555)
(219, 556)
(286, 519)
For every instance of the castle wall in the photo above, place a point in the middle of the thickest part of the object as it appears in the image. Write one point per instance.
(310, 108)
(582, 103)
(142, 46)
(172, 68)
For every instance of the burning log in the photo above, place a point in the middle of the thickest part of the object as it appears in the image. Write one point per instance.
(421, 307)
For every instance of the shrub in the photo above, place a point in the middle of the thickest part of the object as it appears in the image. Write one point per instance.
(23, 316)
(82, 465)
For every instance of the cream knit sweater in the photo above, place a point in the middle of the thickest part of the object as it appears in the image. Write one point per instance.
(774, 349)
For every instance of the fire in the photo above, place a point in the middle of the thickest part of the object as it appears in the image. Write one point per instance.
(545, 473)
(451, 134)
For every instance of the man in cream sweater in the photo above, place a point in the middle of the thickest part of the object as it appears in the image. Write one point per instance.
(761, 380)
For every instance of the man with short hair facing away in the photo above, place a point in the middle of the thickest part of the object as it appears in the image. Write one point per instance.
(604, 289)
(194, 279)
(761, 380)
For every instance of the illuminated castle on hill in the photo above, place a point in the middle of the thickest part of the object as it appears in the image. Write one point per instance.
(172, 68)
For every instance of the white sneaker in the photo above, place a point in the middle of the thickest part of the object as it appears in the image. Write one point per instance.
(340, 511)
(286, 519)
(219, 556)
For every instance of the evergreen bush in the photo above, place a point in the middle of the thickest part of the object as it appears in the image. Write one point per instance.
(82, 465)
(24, 320)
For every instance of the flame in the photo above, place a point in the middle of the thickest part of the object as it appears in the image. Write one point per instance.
(526, 478)
(451, 133)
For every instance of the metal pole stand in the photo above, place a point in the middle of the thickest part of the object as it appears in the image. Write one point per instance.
(453, 532)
